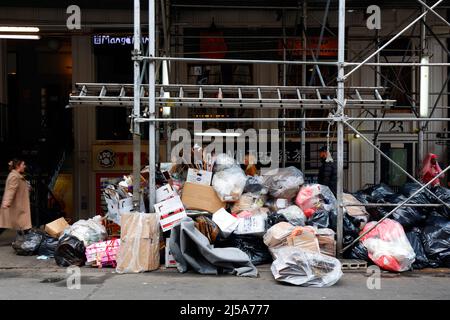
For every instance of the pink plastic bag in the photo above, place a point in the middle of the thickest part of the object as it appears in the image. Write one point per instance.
(388, 246)
(308, 199)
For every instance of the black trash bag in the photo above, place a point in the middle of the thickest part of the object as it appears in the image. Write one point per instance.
(443, 194)
(328, 219)
(423, 197)
(436, 240)
(320, 219)
(361, 197)
(70, 252)
(408, 217)
(254, 185)
(357, 251)
(273, 218)
(28, 244)
(48, 246)
(253, 246)
(379, 192)
(415, 239)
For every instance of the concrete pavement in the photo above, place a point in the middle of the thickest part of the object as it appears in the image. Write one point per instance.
(29, 278)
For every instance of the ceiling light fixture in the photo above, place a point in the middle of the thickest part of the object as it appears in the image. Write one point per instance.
(19, 29)
(19, 37)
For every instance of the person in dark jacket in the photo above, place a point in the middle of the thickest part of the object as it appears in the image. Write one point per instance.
(328, 170)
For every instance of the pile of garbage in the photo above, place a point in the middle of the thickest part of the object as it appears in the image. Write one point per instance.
(412, 237)
(213, 218)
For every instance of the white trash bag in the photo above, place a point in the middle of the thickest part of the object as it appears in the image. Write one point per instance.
(229, 184)
(89, 231)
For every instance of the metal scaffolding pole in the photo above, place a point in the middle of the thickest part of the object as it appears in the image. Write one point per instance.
(136, 109)
(304, 69)
(283, 137)
(340, 128)
(359, 65)
(420, 124)
(152, 109)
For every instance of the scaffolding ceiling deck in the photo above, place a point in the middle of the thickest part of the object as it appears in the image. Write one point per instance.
(223, 96)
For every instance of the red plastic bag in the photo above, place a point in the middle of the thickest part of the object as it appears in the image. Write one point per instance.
(388, 246)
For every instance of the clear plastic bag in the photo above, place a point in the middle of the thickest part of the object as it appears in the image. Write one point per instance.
(388, 246)
(284, 182)
(304, 268)
(294, 215)
(89, 231)
(223, 162)
(313, 197)
(229, 184)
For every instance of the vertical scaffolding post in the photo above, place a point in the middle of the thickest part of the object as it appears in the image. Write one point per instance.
(284, 84)
(375, 123)
(420, 138)
(304, 70)
(136, 109)
(152, 109)
(340, 128)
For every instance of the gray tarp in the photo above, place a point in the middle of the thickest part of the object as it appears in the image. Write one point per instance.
(191, 249)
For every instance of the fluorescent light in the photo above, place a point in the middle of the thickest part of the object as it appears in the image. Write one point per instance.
(19, 29)
(19, 36)
(218, 134)
(357, 135)
(424, 87)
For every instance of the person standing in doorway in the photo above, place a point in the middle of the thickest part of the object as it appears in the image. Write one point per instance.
(430, 169)
(15, 212)
(328, 170)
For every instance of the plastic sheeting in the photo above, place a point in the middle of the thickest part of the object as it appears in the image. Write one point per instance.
(284, 182)
(304, 268)
(192, 250)
(388, 246)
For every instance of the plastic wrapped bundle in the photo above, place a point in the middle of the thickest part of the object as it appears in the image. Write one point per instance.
(284, 182)
(294, 215)
(70, 252)
(223, 162)
(28, 244)
(305, 268)
(436, 240)
(89, 231)
(229, 184)
(313, 197)
(388, 246)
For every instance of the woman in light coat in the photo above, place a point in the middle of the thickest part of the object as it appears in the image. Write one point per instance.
(15, 212)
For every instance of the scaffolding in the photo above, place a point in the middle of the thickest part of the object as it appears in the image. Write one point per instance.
(334, 100)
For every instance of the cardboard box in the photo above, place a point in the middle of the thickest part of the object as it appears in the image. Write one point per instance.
(139, 243)
(164, 193)
(201, 197)
(199, 176)
(170, 261)
(305, 241)
(170, 212)
(56, 228)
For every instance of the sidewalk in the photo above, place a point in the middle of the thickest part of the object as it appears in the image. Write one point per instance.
(28, 278)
